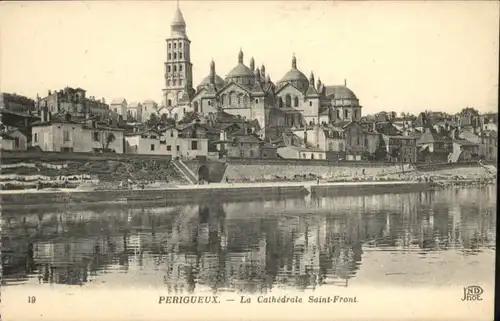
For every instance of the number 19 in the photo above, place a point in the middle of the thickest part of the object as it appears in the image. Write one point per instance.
(31, 299)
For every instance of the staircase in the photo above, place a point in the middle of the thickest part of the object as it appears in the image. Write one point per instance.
(185, 171)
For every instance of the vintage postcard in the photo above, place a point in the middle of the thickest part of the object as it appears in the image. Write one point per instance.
(248, 160)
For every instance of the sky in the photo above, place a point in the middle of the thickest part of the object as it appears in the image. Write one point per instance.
(405, 56)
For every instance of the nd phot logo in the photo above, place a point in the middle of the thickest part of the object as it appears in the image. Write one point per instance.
(472, 293)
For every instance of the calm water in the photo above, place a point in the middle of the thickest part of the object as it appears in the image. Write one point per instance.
(437, 238)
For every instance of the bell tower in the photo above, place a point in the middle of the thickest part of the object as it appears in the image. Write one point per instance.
(178, 67)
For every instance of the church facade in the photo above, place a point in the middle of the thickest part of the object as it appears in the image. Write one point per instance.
(295, 101)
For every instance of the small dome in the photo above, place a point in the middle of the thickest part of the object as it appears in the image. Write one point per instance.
(219, 82)
(295, 77)
(340, 92)
(241, 73)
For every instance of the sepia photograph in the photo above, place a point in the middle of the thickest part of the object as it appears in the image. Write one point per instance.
(248, 160)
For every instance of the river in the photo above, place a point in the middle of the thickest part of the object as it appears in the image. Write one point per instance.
(426, 239)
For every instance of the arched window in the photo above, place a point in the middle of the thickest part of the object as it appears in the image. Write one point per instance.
(229, 99)
(169, 45)
(168, 69)
(180, 67)
(175, 55)
(338, 113)
(281, 102)
(245, 100)
(180, 55)
(296, 101)
(195, 107)
(223, 99)
(288, 101)
(175, 68)
(169, 56)
(175, 45)
(180, 44)
(169, 102)
(209, 103)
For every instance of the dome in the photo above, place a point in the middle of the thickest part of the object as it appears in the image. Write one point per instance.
(295, 77)
(340, 92)
(241, 74)
(219, 82)
(240, 71)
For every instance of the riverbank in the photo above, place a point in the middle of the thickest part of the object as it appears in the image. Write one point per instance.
(185, 194)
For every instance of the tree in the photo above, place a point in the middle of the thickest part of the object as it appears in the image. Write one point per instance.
(380, 151)
(153, 120)
(106, 139)
(166, 121)
(188, 118)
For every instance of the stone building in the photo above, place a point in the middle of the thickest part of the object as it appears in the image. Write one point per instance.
(249, 92)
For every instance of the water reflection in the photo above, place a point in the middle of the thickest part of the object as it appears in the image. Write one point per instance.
(244, 247)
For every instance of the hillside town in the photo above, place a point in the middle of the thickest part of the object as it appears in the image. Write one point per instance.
(245, 115)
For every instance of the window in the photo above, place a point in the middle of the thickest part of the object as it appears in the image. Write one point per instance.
(169, 102)
(194, 145)
(66, 136)
(180, 44)
(180, 82)
(256, 101)
(180, 67)
(296, 101)
(288, 101)
(312, 156)
(152, 147)
(174, 82)
(346, 113)
(303, 155)
(169, 46)
(116, 110)
(281, 102)
(178, 148)
(175, 55)
(251, 153)
(172, 133)
(175, 45)
(169, 148)
(209, 103)
(180, 55)
(35, 137)
(168, 69)
(358, 141)
(330, 146)
(310, 103)
(169, 56)
(320, 156)
(16, 142)
(175, 68)
(242, 153)
(96, 136)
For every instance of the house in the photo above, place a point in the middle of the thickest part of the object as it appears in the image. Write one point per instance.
(148, 107)
(489, 145)
(464, 150)
(134, 111)
(191, 141)
(433, 147)
(144, 142)
(297, 152)
(354, 136)
(241, 146)
(13, 140)
(402, 149)
(119, 106)
(56, 134)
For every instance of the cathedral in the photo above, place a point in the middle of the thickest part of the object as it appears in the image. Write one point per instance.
(295, 101)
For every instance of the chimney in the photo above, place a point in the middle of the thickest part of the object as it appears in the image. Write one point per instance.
(43, 115)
